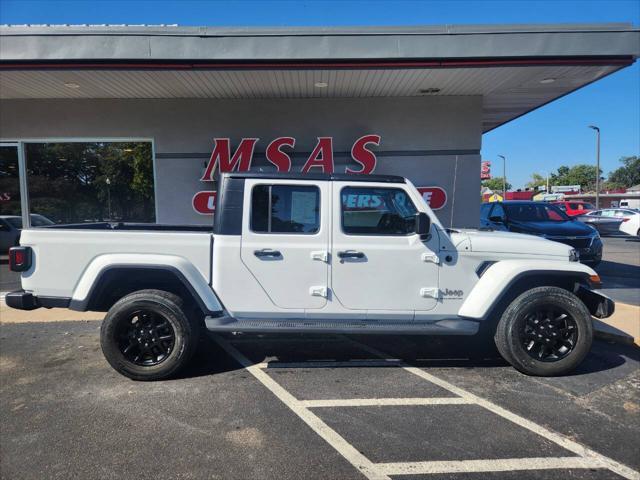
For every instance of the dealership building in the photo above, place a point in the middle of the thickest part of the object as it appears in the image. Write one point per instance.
(135, 123)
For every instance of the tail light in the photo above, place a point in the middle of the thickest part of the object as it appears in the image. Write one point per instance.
(19, 259)
(625, 219)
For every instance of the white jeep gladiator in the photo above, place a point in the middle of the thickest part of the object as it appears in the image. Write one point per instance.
(332, 253)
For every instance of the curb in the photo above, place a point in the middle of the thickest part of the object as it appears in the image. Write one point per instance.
(603, 331)
(622, 327)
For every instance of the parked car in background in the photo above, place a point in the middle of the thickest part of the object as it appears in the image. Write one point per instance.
(629, 218)
(10, 226)
(604, 225)
(544, 220)
(632, 203)
(573, 208)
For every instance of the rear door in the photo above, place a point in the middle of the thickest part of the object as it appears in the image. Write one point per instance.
(379, 265)
(285, 240)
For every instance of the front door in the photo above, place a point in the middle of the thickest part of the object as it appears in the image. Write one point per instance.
(378, 263)
(285, 241)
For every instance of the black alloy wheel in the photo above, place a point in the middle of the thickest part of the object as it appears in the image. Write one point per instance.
(145, 338)
(545, 331)
(548, 334)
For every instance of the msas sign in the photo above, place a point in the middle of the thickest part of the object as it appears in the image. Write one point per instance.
(278, 153)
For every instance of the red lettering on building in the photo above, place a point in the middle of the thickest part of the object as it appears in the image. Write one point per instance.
(280, 159)
(436, 197)
(322, 156)
(221, 157)
(204, 202)
(365, 157)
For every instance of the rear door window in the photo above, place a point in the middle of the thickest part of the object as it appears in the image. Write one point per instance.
(285, 209)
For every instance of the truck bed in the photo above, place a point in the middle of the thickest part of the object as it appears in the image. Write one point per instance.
(63, 254)
(156, 227)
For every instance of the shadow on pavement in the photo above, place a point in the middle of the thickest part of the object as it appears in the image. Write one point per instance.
(423, 352)
(619, 270)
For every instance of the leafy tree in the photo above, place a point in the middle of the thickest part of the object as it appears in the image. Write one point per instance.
(495, 184)
(537, 180)
(583, 175)
(627, 175)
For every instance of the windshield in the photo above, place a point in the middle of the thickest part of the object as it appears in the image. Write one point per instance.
(534, 212)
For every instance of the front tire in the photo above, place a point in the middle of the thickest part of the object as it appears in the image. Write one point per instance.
(546, 331)
(147, 335)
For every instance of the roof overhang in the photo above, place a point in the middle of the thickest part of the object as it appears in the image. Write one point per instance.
(514, 68)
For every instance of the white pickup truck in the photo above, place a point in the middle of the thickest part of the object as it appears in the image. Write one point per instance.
(335, 253)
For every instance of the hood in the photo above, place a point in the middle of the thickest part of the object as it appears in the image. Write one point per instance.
(511, 243)
(553, 229)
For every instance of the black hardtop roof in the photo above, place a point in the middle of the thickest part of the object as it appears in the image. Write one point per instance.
(335, 177)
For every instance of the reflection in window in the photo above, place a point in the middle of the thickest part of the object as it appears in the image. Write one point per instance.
(294, 209)
(91, 181)
(9, 181)
(377, 211)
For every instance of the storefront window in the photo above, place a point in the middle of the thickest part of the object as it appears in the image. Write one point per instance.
(9, 181)
(91, 181)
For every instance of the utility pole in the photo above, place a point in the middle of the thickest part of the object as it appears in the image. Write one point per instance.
(597, 165)
(504, 176)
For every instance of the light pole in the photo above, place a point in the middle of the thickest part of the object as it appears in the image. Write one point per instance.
(504, 176)
(597, 165)
(108, 182)
(547, 173)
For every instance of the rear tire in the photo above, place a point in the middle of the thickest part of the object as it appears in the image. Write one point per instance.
(147, 335)
(546, 331)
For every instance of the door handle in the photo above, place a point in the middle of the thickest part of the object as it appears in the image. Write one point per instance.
(350, 254)
(266, 253)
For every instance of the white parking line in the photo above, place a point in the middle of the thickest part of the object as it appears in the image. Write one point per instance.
(479, 466)
(331, 364)
(605, 462)
(379, 402)
(352, 455)
(586, 459)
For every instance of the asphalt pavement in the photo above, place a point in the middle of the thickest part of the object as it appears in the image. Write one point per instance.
(313, 407)
(620, 269)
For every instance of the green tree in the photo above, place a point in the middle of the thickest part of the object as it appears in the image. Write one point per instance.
(627, 175)
(495, 184)
(583, 175)
(537, 180)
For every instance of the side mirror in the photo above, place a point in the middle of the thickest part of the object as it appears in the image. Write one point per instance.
(496, 219)
(423, 225)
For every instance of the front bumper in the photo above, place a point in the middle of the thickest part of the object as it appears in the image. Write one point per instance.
(22, 300)
(593, 253)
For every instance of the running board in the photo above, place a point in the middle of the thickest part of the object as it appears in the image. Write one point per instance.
(454, 326)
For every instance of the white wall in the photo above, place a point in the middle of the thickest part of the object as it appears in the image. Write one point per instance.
(421, 137)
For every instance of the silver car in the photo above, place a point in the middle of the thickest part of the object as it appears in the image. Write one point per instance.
(10, 226)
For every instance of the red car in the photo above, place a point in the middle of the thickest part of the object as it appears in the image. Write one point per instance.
(574, 208)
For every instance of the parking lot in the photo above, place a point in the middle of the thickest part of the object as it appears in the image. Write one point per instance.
(320, 407)
(290, 407)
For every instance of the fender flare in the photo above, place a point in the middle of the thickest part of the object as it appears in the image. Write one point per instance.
(184, 271)
(496, 281)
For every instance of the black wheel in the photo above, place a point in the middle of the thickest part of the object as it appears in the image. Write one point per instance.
(545, 331)
(146, 335)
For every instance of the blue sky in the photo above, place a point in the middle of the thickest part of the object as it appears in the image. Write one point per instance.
(541, 141)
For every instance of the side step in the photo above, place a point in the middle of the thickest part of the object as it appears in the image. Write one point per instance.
(453, 326)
